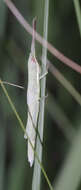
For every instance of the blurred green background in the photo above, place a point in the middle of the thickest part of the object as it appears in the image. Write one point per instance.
(62, 130)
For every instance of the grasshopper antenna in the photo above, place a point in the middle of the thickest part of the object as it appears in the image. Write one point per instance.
(33, 37)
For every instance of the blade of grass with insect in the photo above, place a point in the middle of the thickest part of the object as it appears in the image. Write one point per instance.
(23, 128)
(33, 94)
(37, 170)
(78, 13)
(57, 114)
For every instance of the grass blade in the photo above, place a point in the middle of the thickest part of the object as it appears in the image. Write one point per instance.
(37, 169)
(23, 128)
(78, 13)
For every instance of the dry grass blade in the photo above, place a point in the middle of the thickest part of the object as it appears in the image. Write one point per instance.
(41, 40)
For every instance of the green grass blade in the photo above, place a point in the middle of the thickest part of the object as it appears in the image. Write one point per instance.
(37, 170)
(23, 128)
(78, 13)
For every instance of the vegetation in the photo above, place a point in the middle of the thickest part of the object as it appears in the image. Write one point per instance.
(57, 158)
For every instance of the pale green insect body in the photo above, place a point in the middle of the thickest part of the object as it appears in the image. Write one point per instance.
(33, 92)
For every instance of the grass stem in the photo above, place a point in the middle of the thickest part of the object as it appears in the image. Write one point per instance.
(37, 170)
